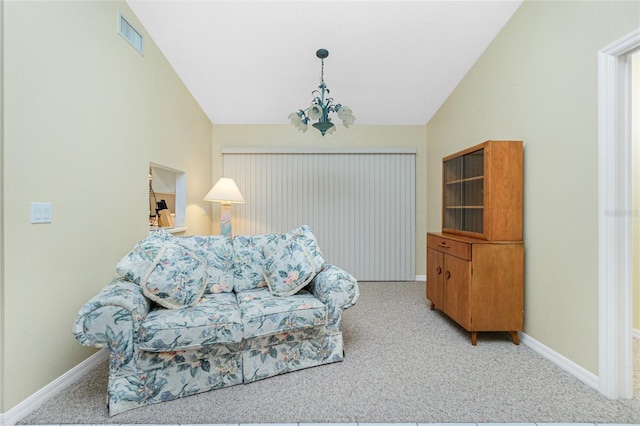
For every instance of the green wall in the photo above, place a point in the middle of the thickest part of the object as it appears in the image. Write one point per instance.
(537, 82)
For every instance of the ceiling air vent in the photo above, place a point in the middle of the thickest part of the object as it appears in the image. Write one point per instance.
(126, 30)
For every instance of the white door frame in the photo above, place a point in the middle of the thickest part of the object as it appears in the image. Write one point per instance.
(614, 218)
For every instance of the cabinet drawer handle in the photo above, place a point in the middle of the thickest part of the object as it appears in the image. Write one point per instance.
(444, 245)
(447, 274)
(439, 270)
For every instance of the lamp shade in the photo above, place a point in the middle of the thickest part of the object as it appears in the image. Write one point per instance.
(225, 191)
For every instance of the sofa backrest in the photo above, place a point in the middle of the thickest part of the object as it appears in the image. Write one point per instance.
(231, 264)
(249, 255)
(248, 260)
(218, 253)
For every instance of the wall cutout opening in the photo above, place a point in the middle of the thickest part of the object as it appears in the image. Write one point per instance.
(167, 198)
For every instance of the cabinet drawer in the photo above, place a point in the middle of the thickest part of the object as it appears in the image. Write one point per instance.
(452, 247)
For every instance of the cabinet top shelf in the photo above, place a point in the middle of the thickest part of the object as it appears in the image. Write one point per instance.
(451, 182)
(482, 191)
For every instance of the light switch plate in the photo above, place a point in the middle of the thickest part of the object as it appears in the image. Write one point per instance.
(40, 212)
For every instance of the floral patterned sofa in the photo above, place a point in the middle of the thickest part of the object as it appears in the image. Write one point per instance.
(195, 313)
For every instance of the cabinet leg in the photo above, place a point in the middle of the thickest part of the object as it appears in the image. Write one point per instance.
(433, 306)
(474, 338)
(515, 337)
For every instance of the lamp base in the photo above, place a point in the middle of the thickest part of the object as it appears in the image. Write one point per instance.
(225, 220)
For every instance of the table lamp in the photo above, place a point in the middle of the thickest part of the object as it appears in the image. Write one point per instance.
(226, 192)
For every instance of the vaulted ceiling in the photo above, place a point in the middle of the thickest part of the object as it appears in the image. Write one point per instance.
(254, 62)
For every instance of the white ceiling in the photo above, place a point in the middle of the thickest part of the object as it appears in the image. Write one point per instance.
(254, 62)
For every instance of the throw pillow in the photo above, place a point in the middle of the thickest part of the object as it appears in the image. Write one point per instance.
(304, 236)
(287, 267)
(136, 263)
(169, 274)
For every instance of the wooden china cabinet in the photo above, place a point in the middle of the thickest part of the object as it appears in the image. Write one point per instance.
(475, 266)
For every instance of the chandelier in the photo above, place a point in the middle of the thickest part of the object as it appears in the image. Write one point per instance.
(321, 106)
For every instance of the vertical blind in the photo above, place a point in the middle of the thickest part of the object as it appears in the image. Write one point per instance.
(359, 203)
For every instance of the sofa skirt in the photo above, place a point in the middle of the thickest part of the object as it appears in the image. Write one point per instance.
(166, 376)
(174, 381)
(269, 361)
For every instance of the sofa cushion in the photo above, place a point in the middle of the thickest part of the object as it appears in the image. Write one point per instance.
(264, 314)
(169, 274)
(247, 260)
(287, 266)
(216, 319)
(217, 252)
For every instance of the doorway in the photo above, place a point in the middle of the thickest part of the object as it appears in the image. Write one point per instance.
(614, 218)
(635, 238)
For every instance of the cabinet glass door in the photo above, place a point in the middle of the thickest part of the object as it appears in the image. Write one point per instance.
(463, 181)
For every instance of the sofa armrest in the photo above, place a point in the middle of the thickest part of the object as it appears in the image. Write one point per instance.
(335, 287)
(112, 317)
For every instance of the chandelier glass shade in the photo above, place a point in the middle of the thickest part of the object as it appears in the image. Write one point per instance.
(321, 106)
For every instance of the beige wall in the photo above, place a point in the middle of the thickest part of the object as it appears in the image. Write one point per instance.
(84, 116)
(537, 82)
(225, 136)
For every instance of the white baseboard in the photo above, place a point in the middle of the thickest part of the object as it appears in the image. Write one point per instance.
(421, 278)
(636, 333)
(32, 403)
(580, 373)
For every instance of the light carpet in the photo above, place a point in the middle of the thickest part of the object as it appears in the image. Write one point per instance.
(404, 363)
